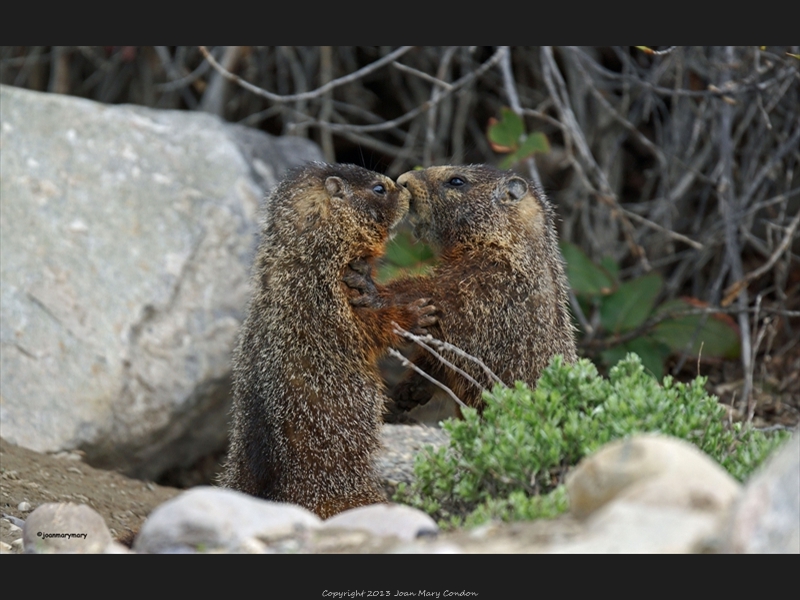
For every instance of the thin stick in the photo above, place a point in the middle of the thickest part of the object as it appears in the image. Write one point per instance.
(456, 85)
(326, 76)
(446, 346)
(214, 96)
(177, 81)
(648, 50)
(729, 207)
(733, 290)
(422, 75)
(430, 131)
(392, 56)
(510, 85)
(408, 363)
(673, 234)
(418, 340)
(751, 401)
(558, 91)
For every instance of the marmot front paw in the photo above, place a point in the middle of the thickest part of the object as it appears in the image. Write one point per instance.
(358, 277)
(425, 315)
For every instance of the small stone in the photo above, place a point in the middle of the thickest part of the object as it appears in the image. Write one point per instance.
(116, 548)
(252, 546)
(404, 522)
(24, 506)
(78, 226)
(18, 523)
(437, 548)
(205, 518)
(65, 528)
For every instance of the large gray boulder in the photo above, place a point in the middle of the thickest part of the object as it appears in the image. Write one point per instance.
(126, 237)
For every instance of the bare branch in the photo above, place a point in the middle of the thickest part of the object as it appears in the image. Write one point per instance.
(673, 234)
(421, 341)
(433, 380)
(391, 57)
(734, 289)
(422, 75)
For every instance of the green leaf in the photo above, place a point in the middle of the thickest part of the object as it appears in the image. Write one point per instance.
(387, 273)
(652, 352)
(585, 277)
(506, 162)
(403, 251)
(610, 265)
(631, 304)
(404, 257)
(535, 142)
(507, 131)
(716, 336)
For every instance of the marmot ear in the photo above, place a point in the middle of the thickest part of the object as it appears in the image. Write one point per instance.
(335, 186)
(515, 190)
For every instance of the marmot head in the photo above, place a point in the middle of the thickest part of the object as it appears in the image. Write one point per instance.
(475, 205)
(339, 206)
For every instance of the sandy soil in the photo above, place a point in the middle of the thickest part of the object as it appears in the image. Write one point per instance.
(34, 478)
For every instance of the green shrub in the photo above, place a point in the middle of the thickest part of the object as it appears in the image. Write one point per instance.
(510, 463)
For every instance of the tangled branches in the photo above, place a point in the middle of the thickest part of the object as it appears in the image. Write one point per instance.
(681, 159)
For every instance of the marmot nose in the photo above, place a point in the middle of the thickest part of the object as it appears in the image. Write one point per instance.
(406, 177)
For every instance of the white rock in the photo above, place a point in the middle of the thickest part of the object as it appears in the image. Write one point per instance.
(206, 518)
(633, 528)
(65, 528)
(404, 522)
(650, 469)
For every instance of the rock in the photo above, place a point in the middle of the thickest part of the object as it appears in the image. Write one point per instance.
(127, 235)
(211, 519)
(65, 528)
(117, 548)
(400, 444)
(404, 522)
(766, 519)
(650, 469)
(623, 527)
(646, 494)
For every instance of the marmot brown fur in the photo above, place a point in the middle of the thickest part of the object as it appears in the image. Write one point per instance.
(500, 284)
(308, 398)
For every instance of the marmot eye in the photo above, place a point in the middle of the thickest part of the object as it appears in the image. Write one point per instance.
(379, 189)
(456, 182)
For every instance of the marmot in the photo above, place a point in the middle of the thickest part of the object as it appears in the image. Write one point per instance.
(500, 284)
(307, 393)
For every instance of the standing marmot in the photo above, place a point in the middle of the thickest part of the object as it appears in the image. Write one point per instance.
(500, 284)
(308, 397)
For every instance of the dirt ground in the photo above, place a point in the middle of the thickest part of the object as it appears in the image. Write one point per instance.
(33, 478)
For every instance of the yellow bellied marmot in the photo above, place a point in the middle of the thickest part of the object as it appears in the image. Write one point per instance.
(500, 284)
(308, 397)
